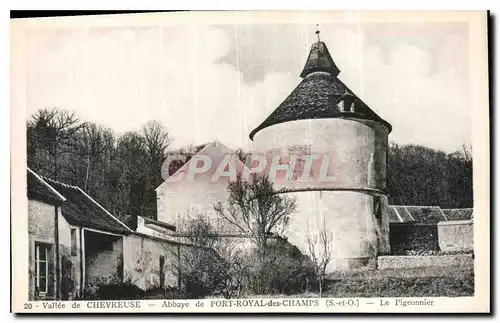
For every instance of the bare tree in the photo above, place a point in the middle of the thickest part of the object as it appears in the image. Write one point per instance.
(157, 139)
(320, 250)
(210, 264)
(53, 130)
(256, 209)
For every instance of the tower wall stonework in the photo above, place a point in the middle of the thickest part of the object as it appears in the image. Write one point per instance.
(345, 206)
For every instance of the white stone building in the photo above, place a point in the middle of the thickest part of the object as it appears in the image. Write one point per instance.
(321, 116)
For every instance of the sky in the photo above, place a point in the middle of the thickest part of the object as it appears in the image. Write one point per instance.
(219, 82)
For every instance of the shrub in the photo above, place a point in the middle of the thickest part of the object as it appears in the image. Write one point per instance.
(114, 291)
(282, 269)
(162, 293)
(201, 271)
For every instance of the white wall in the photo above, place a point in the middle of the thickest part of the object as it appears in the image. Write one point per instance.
(182, 201)
(357, 152)
(357, 149)
(346, 217)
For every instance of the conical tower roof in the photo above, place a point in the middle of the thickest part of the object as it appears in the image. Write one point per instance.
(320, 95)
(319, 60)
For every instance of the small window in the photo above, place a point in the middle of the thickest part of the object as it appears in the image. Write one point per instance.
(42, 268)
(341, 105)
(73, 242)
(346, 103)
(350, 107)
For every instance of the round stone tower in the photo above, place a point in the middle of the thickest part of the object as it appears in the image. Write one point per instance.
(343, 195)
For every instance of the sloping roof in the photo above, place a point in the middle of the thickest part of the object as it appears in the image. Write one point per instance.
(80, 209)
(403, 214)
(393, 215)
(426, 214)
(162, 224)
(318, 95)
(38, 189)
(216, 152)
(416, 214)
(459, 214)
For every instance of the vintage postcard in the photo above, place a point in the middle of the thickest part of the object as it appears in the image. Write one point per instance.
(251, 162)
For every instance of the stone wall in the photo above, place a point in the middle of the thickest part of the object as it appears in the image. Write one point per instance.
(356, 235)
(446, 236)
(356, 151)
(41, 229)
(141, 264)
(41, 226)
(70, 264)
(456, 235)
(463, 260)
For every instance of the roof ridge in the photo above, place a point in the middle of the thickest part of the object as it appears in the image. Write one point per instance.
(44, 182)
(60, 183)
(215, 143)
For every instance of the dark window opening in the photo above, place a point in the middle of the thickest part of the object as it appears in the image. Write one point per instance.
(350, 107)
(73, 242)
(346, 105)
(377, 208)
(162, 272)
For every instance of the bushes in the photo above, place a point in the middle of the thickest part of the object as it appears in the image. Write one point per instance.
(206, 267)
(282, 269)
(128, 291)
(201, 273)
(114, 291)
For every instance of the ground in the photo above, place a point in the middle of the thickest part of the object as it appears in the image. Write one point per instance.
(412, 282)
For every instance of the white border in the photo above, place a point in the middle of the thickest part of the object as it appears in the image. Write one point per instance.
(199, 4)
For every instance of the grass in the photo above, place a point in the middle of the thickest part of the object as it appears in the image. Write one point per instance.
(409, 282)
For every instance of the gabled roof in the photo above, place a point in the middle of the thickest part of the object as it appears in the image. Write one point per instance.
(426, 214)
(80, 209)
(400, 214)
(38, 189)
(216, 152)
(319, 94)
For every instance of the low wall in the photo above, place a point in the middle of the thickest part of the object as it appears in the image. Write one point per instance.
(456, 235)
(385, 262)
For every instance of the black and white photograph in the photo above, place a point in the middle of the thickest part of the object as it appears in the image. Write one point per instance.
(326, 161)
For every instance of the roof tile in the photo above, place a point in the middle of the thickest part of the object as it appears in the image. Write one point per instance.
(318, 95)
